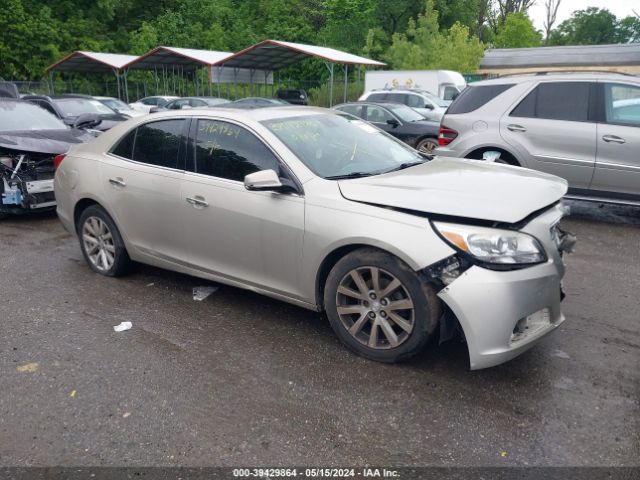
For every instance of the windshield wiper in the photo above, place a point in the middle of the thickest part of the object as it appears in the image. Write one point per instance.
(402, 166)
(349, 175)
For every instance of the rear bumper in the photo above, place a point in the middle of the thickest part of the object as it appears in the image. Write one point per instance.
(489, 304)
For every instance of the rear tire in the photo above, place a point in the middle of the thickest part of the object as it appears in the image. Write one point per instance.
(101, 243)
(427, 145)
(378, 306)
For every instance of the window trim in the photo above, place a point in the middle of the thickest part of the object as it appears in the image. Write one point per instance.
(190, 154)
(181, 150)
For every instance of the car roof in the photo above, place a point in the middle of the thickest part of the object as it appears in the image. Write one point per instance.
(553, 76)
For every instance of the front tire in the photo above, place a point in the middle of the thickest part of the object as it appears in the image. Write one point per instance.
(101, 243)
(378, 306)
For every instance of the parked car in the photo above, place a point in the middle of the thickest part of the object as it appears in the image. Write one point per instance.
(445, 84)
(580, 126)
(256, 102)
(427, 104)
(147, 103)
(322, 210)
(293, 96)
(191, 102)
(71, 108)
(119, 106)
(30, 139)
(398, 120)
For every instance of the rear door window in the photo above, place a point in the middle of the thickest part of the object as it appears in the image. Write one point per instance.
(226, 150)
(158, 143)
(473, 98)
(556, 101)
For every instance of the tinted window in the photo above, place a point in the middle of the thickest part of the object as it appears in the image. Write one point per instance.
(473, 98)
(124, 148)
(378, 115)
(353, 110)
(228, 151)
(622, 104)
(158, 143)
(49, 108)
(556, 101)
(398, 98)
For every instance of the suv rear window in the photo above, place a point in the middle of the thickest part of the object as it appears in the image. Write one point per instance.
(473, 98)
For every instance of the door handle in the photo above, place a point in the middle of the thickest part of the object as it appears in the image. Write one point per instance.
(197, 202)
(118, 182)
(516, 128)
(613, 139)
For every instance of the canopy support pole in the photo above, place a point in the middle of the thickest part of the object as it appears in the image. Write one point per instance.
(51, 82)
(126, 85)
(115, 72)
(330, 68)
(219, 69)
(346, 82)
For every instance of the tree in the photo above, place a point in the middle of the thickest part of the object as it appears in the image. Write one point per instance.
(629, 30)
(423, 46)
(517, 32)
(593, 26)
(551, 7)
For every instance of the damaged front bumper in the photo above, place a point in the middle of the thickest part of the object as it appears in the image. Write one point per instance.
(504, 313)
(26, 184)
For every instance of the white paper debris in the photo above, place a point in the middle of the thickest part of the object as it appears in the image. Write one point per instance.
(200, 293)
(122, 327)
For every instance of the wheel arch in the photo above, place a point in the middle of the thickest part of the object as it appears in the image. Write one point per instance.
(504, 154)
(334, 256)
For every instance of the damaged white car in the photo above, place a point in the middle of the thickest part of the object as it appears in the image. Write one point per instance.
(331, 214)
(30, 140)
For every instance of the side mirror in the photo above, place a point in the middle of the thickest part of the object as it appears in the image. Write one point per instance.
(428, 106)
(264, 180)
(87, 120)
(393, 122)
(156, 109)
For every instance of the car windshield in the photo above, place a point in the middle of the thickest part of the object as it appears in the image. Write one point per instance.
(335, 146)
(116, 104)
(406, 114)
(73, 107)
(17, 116)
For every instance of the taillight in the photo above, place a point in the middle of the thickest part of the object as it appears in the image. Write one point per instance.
(57, 160)
(446, 136)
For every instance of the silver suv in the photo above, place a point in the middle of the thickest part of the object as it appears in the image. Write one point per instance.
(425, 103)
(584, 127)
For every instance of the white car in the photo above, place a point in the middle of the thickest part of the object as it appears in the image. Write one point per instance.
(147, 103)
(425, 103)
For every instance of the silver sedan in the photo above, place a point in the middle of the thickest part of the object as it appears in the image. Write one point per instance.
(331, 214)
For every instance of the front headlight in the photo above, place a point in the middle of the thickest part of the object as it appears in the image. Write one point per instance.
(492, 245)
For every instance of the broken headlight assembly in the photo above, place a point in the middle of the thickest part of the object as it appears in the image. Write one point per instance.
(492, 247)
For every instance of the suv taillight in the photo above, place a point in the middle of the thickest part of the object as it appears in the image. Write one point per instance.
(446, 136)
(57, 160)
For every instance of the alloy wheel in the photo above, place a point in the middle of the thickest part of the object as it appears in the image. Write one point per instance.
(375, 308)
(98, 243)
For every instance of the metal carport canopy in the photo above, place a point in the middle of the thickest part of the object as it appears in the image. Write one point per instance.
(91, 62)
(276, 54)
(171, 57)
(270, 55)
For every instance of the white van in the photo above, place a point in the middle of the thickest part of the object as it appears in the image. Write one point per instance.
(445, 84)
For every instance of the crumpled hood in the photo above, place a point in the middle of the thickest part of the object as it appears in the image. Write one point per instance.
(460, 188)
(43, 141)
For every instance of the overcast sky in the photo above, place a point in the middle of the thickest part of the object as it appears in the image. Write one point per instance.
(620, 8)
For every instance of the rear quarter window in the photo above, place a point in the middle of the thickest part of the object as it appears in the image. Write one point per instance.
(473, 98)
